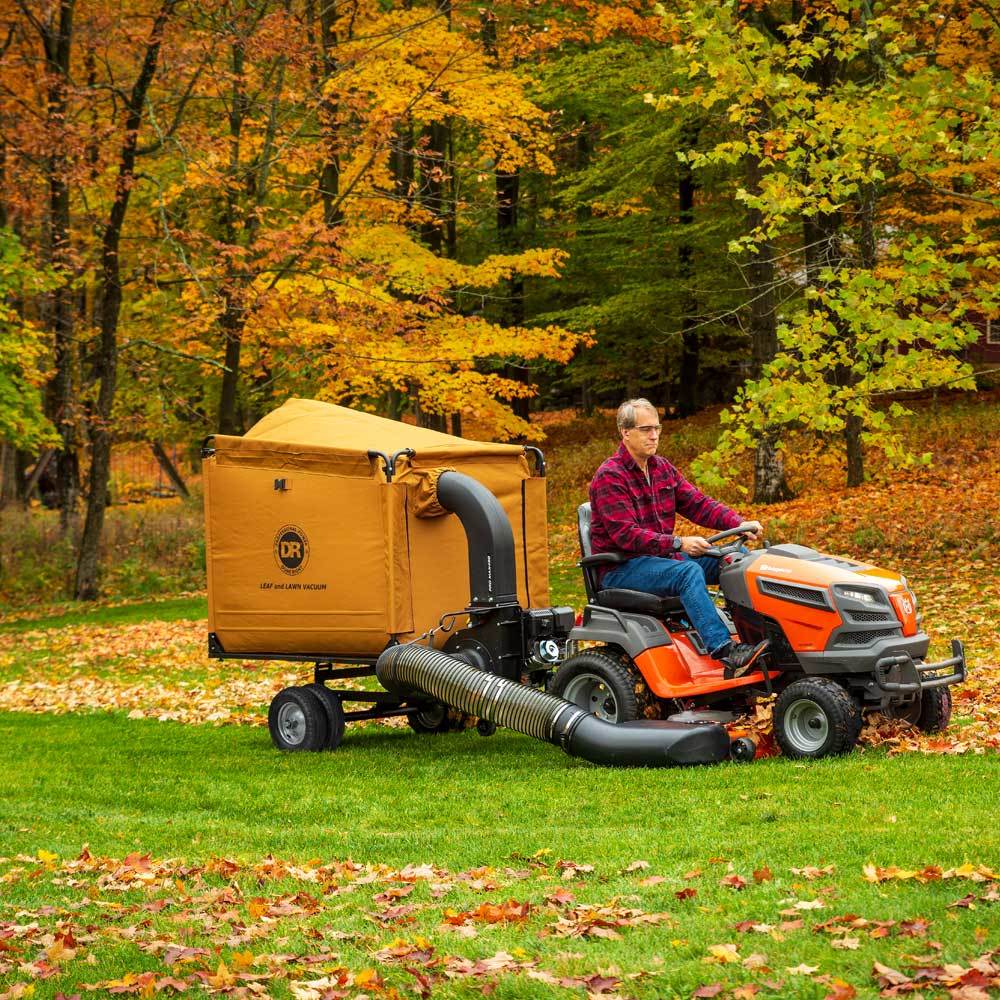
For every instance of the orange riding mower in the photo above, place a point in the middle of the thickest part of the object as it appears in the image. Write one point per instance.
(843, 638)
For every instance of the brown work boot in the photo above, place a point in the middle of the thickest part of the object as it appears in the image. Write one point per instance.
(742, 657)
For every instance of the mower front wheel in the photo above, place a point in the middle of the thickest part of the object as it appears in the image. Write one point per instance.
(606, 685)
(297, 720)
(815, 717)
(930, 712)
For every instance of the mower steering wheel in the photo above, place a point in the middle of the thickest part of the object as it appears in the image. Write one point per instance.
(739, 532)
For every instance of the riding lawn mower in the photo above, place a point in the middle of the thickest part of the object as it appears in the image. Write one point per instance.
(326, 551)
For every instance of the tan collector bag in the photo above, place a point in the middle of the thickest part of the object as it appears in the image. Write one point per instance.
(312, 551)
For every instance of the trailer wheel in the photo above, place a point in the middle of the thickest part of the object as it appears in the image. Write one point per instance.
(334, 708)
(815, 717)
(431, 718)
(297, 720)
(604, 684)
(931, 712)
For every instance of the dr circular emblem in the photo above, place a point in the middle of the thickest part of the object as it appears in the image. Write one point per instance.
(291, 549)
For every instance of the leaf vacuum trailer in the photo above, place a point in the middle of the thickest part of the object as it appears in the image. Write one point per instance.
(370, 547)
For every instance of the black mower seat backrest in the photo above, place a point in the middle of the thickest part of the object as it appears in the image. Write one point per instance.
(618, 599)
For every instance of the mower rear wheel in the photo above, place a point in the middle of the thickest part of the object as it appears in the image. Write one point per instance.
(815, 717)
(331, 703)
(931, 712)
(297, 720)
(605, 684)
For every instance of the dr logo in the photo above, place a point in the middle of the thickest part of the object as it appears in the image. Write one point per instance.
(291, 549)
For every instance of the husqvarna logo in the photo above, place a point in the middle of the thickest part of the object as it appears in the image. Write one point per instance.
(291, 549)
(906, 605)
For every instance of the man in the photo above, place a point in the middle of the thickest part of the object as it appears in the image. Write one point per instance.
(634, 496)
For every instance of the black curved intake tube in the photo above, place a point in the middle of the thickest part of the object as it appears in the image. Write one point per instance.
(639, 744)
(492, 567)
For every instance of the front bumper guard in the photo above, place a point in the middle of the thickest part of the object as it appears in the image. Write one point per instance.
(911, 677)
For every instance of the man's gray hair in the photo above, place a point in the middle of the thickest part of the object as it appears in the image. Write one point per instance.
(626, 412)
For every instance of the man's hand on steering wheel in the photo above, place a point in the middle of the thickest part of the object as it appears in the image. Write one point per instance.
(754, 530)
(694, 546)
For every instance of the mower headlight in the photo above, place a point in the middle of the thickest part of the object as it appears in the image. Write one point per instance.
(864, 596)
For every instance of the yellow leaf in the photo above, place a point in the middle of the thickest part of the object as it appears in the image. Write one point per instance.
(724, 953)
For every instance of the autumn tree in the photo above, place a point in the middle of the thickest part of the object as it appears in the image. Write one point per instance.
(287, 231)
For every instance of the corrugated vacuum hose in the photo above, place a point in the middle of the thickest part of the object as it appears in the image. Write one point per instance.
(407, 668)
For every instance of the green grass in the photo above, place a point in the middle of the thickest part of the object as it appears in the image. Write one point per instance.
(167, 610)
(459, 802)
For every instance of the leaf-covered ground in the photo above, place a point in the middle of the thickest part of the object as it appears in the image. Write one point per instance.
(331, 930)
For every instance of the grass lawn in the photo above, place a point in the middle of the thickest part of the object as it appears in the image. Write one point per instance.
(494, 818)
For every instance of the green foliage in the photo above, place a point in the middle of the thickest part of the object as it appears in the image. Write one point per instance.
(23, 351)
(843, 113)
(614, 207)
(860, 337)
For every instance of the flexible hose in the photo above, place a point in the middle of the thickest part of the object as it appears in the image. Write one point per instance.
(405, 668)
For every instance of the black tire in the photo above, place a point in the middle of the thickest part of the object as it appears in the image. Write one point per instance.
(815, 717)
(331, 703)
(930, 713)
(432, 718)
(297, 720)
(742, 749)
(606, 684)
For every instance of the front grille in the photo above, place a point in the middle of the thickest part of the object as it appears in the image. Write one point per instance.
(869, 616)
(801, 595)
(864, 638)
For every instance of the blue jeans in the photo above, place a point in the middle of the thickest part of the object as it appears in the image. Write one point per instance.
(684, 578)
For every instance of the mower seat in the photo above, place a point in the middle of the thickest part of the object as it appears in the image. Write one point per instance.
(619, 599)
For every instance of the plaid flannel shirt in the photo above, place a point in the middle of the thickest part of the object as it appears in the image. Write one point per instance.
(636, 517)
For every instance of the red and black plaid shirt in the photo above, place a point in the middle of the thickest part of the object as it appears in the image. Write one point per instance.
(631, 515)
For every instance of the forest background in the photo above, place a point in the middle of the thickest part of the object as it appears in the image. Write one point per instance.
(465, 215)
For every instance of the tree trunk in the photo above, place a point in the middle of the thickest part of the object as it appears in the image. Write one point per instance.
(106, 367)
(57, 37)
(433, 175)
(329, 118)
(231, 323)
(233, 316)
(169, 468)
(508, 191)
(8, 474)
(769, 482)
(855, 451)
(687, 390)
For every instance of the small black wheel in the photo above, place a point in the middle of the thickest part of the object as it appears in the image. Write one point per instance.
(605, 684)
(815, 717)
(432, 717)
(742, 749)
(331, 703)
(297, 720)
(486, 728)
(930, 712)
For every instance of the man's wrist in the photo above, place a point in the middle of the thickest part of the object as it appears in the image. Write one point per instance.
(677, 543)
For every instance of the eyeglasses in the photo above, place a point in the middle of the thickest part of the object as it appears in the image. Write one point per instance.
(648, 429)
